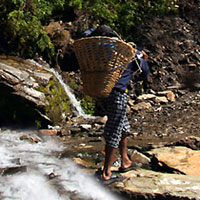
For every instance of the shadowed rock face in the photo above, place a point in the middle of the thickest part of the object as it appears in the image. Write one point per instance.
(20, 95)
(172, 43)
(30, 94)
(16, 110)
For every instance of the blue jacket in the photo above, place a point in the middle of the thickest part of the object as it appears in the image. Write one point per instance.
(131, 69)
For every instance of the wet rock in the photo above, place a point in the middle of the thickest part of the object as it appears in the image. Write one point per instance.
(31, 94)
(75, 130)
(51, 175)
(140, 159)
(13, 170)
(181, 92)
(145, 97)
(84, 163)
(38, 84)
(64, 132)
(131, 102)
(97, 134)
(31, 138)
(48, 132)
(97, 126)
(16, 161)
(169, 94)
(86, 127)
(13, 75)
(101, 120)
(161, 166)
(17, 73)
(54, 127)
(146, 184)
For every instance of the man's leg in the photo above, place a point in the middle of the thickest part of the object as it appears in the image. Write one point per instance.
(109, 159)
(113, 129)
(125, 161)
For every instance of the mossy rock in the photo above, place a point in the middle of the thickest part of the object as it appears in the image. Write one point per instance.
(58, 104)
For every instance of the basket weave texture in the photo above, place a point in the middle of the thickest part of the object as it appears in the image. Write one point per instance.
(102, 60)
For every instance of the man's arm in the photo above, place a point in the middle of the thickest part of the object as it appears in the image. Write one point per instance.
(145, 56)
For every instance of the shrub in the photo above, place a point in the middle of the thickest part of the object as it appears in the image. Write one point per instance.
(22, 26)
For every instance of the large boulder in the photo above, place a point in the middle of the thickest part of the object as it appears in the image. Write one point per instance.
(27, 84)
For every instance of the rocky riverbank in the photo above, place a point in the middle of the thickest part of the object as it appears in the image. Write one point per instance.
(165, 170)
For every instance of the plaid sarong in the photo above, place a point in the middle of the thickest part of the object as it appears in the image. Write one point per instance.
(117, 122)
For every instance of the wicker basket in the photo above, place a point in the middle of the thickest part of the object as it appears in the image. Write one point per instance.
(102, 61)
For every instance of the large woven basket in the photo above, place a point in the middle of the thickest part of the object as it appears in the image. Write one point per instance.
(102, 60)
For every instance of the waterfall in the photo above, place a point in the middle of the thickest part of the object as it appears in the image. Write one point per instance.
(73, 100)
(75, 103)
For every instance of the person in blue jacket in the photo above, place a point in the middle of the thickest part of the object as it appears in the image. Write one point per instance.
(117, 127)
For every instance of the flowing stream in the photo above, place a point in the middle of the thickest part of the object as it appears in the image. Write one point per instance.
(34, 162)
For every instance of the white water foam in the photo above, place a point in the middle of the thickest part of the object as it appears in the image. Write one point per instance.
(41, 159)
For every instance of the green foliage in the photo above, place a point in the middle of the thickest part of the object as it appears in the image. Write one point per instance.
(26, 30)
(88, 105)
(44, 9)
(123, 15)
(87, 102)
(38, 123)
(71, 81)
(22, 21)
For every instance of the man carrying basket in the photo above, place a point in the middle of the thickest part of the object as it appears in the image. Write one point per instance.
(117, 127)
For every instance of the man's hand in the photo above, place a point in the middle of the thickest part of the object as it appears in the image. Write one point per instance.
(145, 55)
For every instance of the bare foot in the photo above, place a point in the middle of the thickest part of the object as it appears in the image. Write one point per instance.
(106, 176)
(126, 163)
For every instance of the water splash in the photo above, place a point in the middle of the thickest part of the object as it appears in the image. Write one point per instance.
(41, 159)
(73, 100)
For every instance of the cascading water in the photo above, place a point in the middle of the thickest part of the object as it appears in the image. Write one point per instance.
(42, 159)
(73, 100)
(75, 103)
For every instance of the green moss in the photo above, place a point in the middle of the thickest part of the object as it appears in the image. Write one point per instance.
(57, 101)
